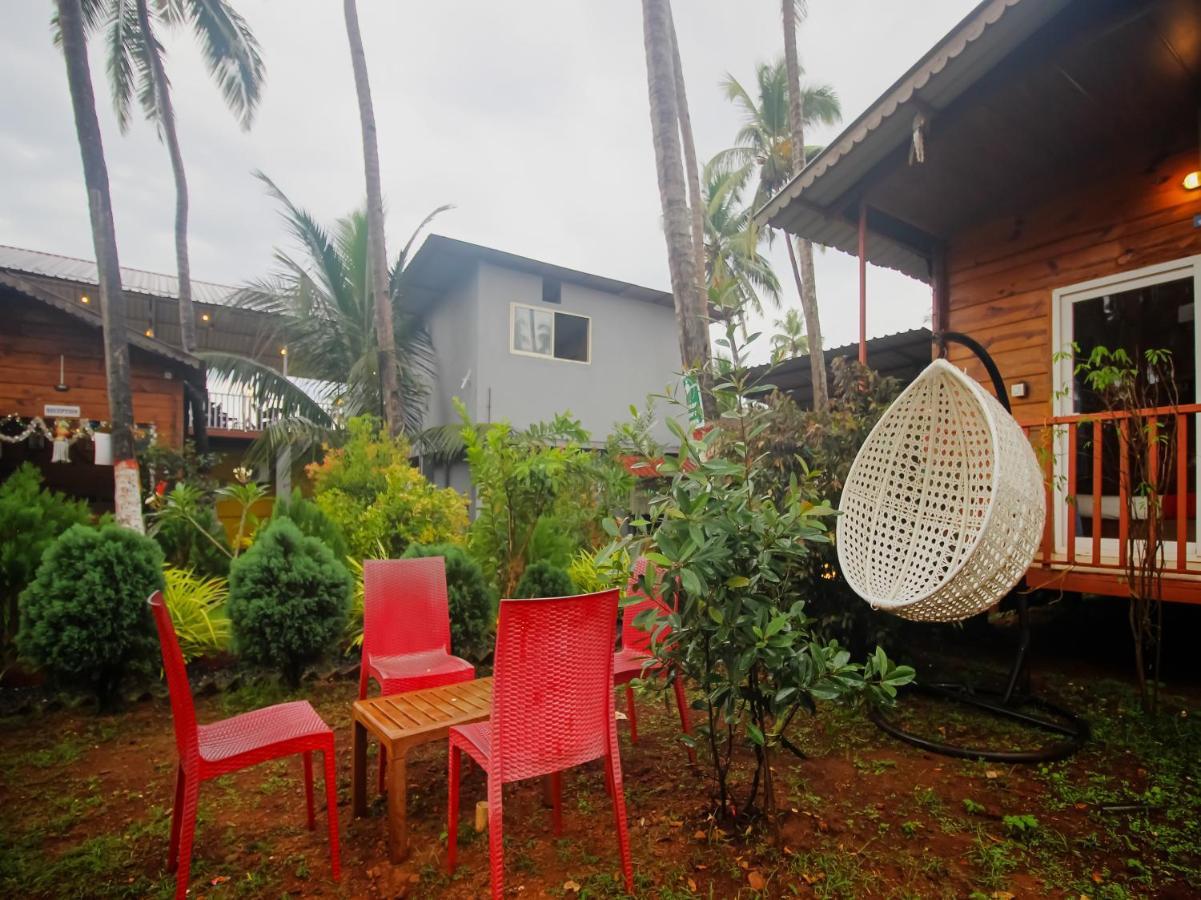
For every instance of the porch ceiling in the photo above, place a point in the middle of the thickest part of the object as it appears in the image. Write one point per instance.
(1024, 99)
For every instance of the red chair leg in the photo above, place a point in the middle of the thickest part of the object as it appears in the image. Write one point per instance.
(682, 703)
(308, 788)
(613, 768)
(452, 808)
(187, 832)
(331, 809)
(631, 713)
(176, 819)
(496, 844)
(556, 787)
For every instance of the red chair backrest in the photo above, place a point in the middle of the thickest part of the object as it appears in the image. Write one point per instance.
(183, 712)
(634, 637)
(552, 688)
(405, 608)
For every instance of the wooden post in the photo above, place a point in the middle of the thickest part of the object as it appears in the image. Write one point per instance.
(863, 281)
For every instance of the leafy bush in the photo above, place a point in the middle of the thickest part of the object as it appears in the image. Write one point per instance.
(472, 603)
(542, 494)
(30, 519)
(369, 491)
(730, 551)
(288, 599)
(201, 547)
(312, 521)
(197, 607)
(544, 579)
(588, 577)
(84, 617)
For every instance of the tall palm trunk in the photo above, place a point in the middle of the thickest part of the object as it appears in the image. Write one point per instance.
(808, 285)
(696, 199)
(378, 258)
(198, 398)
(682, 255)
(127, 493)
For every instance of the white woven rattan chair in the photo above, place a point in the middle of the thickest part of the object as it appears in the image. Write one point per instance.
(943, 508)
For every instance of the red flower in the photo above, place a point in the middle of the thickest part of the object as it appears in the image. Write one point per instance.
(160, 488)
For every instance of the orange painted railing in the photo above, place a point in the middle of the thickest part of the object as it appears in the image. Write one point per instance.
(1089, 492)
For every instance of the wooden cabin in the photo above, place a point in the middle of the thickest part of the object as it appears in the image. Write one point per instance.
(52, 364)
(1040, 168)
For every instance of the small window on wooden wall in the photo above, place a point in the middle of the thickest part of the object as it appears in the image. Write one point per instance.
(549, 333)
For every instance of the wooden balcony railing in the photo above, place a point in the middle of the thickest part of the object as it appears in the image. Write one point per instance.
(1096, 504)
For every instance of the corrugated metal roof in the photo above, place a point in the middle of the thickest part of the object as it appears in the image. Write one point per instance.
(136, 281)
(809, 204)
(92, 318)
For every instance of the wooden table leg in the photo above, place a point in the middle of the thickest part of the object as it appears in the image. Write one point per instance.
(358, 769)
(398, 826)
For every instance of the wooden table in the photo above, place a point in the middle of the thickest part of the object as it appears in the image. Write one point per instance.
(403, 721)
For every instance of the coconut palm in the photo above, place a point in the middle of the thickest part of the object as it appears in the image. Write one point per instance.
(764, 148)
(793, 12)
(665, 87)
(70, 24)
(320, 303)
(789, 341)
(737, 275)
(393, 400)
(137, 71)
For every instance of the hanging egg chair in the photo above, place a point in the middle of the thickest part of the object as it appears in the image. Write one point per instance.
(941, 515)
(943, 508)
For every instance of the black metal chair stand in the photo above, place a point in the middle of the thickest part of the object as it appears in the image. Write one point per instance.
(1015, 702)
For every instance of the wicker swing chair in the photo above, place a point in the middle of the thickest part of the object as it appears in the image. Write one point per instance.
(941, 515)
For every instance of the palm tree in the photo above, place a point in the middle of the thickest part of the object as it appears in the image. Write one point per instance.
(764, 147)
(736, 273)
(794, 10)
(789, 341)
(70, 24)
(320, 302)
(378, 258)
(665, 87)
(136, 65)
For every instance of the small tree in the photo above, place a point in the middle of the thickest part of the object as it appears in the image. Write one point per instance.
(288, 600)
(1150, 447)
(727, 556)
(520, 477)
(84, 617)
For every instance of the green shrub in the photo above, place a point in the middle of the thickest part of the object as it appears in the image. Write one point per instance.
(186, 547)
(544, 579)
(30, 519)
(288, 599)
(84, 617)
(197, 607)
(368, 489)
(472, 603)
(312, 521)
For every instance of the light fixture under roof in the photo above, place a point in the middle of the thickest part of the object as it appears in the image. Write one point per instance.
(205, 317)
(149, 332)
(84, 298)
(1192, 181)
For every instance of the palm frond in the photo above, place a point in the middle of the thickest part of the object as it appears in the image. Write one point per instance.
(231, 54)
(122, 39)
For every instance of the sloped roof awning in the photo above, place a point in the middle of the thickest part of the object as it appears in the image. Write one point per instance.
(1016, 102)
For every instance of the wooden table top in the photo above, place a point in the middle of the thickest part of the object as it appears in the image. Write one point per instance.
(426, 713)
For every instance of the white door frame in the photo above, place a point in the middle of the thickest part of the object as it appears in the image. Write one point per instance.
(1062, 301)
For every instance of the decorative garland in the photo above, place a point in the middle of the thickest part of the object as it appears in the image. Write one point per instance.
(63, 435)
(37, 426)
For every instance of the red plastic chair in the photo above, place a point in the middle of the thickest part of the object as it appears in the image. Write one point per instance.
(552, 708)
(406, 630)
(209, 751)
(635, 660)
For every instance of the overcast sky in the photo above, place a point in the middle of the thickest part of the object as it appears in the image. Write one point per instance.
(530, 116)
